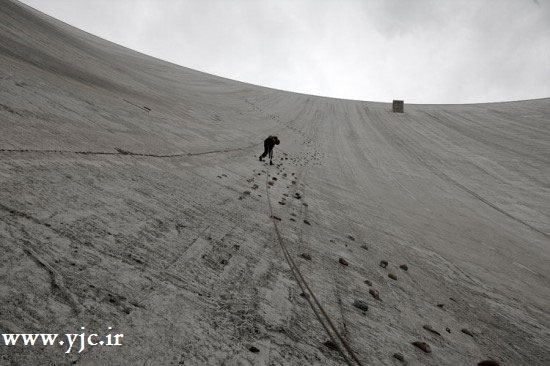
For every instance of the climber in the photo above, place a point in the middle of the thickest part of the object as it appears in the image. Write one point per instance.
(269, 143)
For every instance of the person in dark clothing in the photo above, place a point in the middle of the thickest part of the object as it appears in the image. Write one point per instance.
(269, 143)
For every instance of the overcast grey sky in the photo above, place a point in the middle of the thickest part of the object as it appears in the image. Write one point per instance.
(442, 51)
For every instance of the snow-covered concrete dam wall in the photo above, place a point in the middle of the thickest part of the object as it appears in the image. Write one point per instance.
(131, 197)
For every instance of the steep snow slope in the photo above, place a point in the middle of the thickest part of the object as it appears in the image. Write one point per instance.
(131, 197)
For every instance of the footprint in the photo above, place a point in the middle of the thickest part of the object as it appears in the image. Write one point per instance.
(430, 329)
(244, 194)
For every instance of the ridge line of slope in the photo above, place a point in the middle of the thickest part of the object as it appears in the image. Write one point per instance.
(52, 20)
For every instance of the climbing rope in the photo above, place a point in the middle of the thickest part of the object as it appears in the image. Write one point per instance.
(317, 308)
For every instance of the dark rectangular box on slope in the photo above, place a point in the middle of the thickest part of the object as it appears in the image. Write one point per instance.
(398, 106)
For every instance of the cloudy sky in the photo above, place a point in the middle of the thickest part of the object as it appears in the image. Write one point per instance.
(441, 51)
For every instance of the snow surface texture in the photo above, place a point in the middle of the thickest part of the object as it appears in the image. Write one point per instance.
(131, 196)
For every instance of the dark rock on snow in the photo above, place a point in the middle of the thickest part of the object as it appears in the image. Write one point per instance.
(488, 363)
(423, 346)
(374, 293)
(360, 304)
(331, 345)
(399, 356)
(466, 331)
